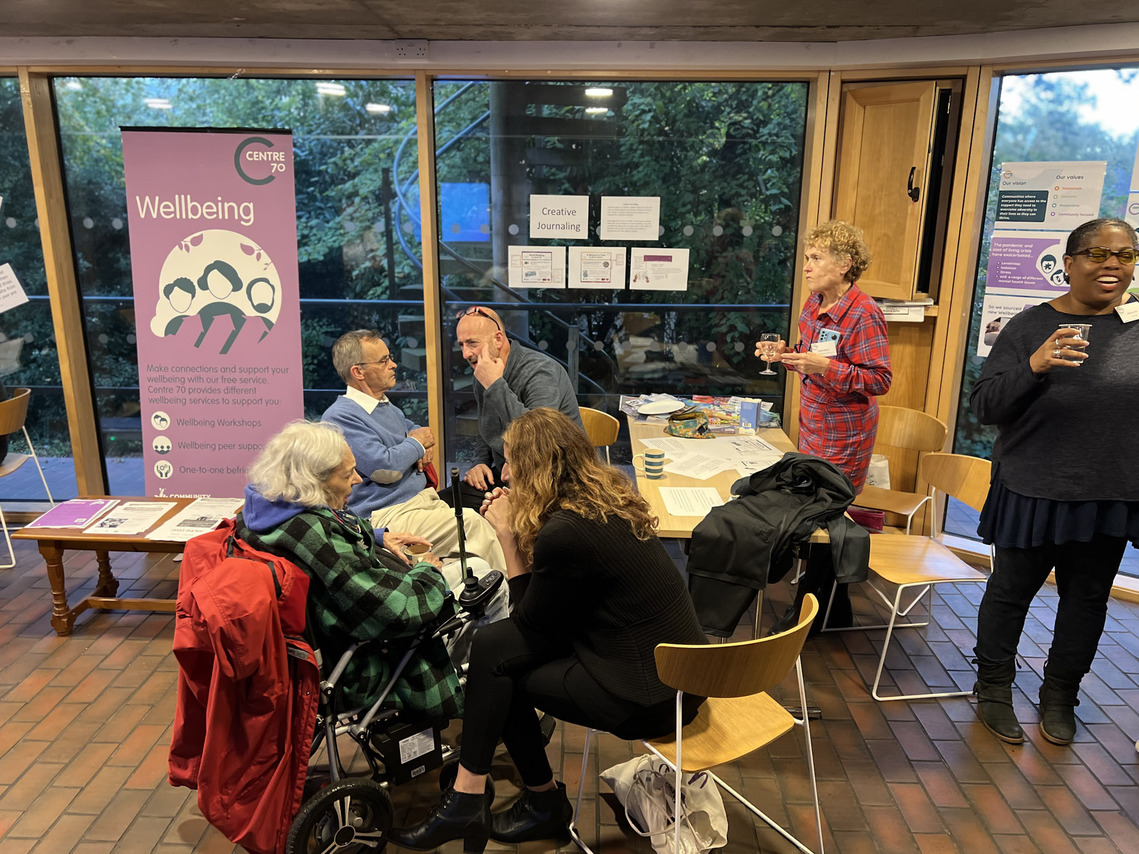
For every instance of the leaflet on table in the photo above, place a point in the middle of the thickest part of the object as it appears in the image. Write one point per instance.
(748, 467)
(130, 517)
(75, 513)
(696, 466)
(690, 500)
(730, 448)
(198, 518)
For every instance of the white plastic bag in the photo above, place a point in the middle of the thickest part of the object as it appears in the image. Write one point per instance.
(645, 787)
(879, 471)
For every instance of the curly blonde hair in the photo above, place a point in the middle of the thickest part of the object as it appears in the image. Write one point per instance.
(842, 240)
(553, 466)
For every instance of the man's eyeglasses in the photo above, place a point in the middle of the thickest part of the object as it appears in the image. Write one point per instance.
(1099, 254)
(382, 361)
(481, 312)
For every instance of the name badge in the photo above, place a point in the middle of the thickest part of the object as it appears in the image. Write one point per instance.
(1129, 311)
(827, 343)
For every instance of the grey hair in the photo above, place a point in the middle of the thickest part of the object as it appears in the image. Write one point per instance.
(296, 464)
(348, 351)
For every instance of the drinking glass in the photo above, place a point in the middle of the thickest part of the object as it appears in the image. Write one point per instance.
(768, 342)
(1082, 331)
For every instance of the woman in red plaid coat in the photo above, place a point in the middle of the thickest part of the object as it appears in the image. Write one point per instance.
(843, 357)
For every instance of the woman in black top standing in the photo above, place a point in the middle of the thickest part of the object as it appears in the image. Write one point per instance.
(592, 594)
(1065, 490)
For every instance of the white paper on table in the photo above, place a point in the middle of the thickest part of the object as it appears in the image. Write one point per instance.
(697, 466)
(744, 445)
(749, 466)
(673, 446)
(198, 518)
(130, 517)
(690, 500)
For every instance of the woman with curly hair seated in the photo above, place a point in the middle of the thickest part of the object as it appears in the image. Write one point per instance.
(593, 592)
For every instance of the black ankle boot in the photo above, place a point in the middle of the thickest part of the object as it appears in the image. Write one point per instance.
(1058, 701)
(994, 700)
(456, 816)
(535, 815)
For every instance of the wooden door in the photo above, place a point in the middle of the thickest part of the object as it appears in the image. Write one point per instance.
(883, 171)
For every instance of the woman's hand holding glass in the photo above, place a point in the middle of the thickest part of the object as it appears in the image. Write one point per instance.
(1065, 349)
(770, 347)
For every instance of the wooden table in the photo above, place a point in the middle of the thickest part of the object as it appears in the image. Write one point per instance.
(53, 542)
(681, 526)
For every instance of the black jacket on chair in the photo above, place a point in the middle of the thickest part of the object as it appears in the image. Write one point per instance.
(743, 544)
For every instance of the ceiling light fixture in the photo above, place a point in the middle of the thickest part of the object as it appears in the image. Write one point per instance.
(335, 89)
(598, 92)
(158, 103)
(378, 109)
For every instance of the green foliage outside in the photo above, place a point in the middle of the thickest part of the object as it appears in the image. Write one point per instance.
(726, 159)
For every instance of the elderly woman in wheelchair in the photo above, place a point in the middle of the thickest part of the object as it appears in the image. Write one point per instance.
(382, 626)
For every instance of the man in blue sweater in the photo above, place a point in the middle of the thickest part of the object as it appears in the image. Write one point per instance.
(391, 453)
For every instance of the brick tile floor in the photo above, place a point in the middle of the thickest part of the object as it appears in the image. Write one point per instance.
(85, 720)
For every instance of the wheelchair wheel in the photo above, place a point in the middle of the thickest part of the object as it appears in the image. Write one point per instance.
(353, 815)
(450, 771)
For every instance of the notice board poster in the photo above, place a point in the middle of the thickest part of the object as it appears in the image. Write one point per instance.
(213, 240)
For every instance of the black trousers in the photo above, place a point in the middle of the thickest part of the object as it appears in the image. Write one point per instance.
(1084, 575)
(511, 674)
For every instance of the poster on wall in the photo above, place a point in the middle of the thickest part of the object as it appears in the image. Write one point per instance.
(1027, 261)
(1131, 214)
(658, 269)
(630, 217)
(536, 267)
(997, 310)
(213, 245)
(597, 267)
(1056, 195)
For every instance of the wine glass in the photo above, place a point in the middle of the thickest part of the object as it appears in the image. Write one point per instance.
(768, 342)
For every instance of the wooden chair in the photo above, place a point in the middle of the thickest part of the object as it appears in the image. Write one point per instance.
(739, 715)
(958, 476)
(601, 427)
(915, 565)
(912, 430)
(13, 414)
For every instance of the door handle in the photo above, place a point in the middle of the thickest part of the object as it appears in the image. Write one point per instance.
(912, 191)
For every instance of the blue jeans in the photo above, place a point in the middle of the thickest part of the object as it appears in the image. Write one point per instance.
(1084, 575)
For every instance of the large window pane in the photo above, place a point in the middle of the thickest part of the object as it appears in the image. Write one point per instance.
(1059, 116)
(354, 148)
(28, 356)
(726, 161)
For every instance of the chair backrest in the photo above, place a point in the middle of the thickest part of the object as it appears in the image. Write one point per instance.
(14, 411)
(601, 427)
(964, 478)
(900, 427)
(735, 669)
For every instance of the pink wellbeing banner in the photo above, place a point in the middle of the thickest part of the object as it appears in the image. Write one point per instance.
(213, 239)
